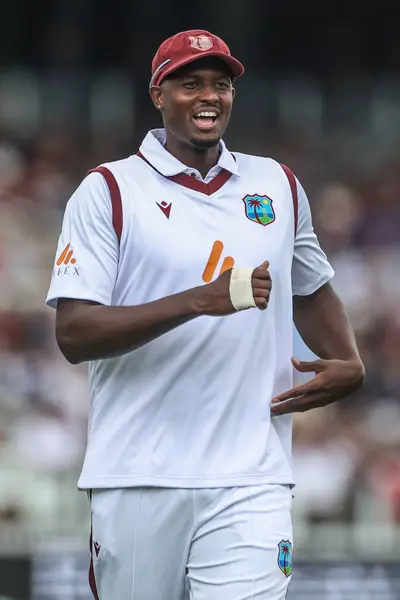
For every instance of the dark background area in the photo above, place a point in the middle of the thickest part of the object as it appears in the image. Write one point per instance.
(315, 37)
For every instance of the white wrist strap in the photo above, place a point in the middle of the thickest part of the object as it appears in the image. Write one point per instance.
(240, 289)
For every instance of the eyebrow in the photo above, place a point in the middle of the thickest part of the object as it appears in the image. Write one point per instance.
(195, 75)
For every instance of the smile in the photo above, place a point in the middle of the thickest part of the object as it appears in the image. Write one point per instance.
(205, 119)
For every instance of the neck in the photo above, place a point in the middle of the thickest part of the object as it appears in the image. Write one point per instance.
(200, 159)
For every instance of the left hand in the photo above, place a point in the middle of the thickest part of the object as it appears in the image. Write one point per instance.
(334, 379)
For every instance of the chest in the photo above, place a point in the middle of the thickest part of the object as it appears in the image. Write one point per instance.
(171, 228)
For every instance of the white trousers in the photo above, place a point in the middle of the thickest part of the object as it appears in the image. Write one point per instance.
(197, 544)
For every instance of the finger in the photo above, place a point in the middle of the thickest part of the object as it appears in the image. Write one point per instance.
(314, 366)
(302, 404)
(264, 266)
(261, 274)
(263, 284)
(311, 387)
(259, 293)
(261, 302)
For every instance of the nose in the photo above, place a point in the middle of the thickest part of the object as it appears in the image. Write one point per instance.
(209, 94)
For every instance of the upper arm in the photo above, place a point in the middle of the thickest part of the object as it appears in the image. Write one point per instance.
(86, 262)
(310, 267)
(66, 310)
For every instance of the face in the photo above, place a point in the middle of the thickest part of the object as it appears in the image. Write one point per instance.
(196, 102)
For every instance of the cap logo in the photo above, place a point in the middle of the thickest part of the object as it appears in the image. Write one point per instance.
(201, 42)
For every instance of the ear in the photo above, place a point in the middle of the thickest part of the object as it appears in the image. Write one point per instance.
(157, 96)
(233, 92)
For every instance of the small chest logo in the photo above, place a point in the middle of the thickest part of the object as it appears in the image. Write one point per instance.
(259, 209)
(165, 207)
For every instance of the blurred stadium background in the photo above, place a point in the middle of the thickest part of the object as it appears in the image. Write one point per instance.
(322, 94)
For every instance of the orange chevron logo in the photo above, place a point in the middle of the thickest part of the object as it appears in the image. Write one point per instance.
(66, 257)
(214, 258)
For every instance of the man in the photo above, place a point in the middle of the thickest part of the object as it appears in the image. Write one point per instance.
(175, 276)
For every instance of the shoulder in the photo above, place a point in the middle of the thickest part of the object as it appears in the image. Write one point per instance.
(103, 182)
(253, 158)
(91, 197)
(122, 167)
(251, 161)
(278, 172)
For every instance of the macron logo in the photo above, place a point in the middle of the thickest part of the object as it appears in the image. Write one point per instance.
(165, 207)
(97, 548)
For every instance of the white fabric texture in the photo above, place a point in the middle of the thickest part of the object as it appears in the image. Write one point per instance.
(220, 544)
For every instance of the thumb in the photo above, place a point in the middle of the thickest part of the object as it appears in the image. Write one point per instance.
(264, 265)
(313, 366)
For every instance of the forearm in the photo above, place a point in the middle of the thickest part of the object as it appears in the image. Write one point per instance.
(87, 331)
(323, 325)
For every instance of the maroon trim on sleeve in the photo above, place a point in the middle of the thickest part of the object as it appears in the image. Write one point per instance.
(295, 196)
(116, 202)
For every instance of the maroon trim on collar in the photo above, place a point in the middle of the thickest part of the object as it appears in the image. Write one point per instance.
(192, 182)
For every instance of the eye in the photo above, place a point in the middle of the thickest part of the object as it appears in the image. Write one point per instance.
(223, 85)
(190, 85)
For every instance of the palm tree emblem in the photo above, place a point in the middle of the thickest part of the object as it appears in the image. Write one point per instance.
(285, 552)
(255, 204)
(285, 558)
(259, 209)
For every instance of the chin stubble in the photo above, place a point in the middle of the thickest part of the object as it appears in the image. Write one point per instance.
(205, 144)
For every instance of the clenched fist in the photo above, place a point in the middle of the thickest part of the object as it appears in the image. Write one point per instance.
(214, 299)
(261, 283)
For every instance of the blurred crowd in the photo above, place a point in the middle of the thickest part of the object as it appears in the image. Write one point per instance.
(347, 456)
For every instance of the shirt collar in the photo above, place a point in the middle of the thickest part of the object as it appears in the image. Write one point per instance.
(153, 150)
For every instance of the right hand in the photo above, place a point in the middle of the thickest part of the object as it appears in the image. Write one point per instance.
(215, 299)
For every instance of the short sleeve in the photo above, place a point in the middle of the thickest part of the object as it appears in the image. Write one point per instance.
(310, 268)
(86, 262)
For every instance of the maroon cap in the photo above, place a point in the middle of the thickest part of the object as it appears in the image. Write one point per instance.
(186, 47)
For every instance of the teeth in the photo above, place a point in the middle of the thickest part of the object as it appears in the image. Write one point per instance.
(206, 113)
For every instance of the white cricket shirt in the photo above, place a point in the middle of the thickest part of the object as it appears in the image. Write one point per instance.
(191, 408)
